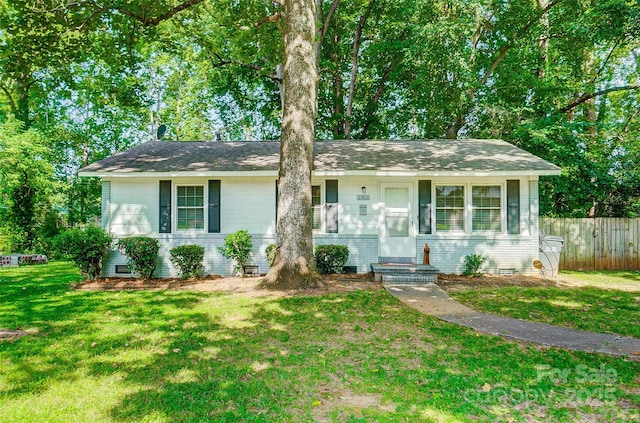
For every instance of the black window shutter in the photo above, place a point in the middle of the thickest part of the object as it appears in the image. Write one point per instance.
(214, 206)
(165, 207)
(424, 201)
(331, 200)
(513, 206)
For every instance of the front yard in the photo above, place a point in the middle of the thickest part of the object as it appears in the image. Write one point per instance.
(594, 301)
(348, 356)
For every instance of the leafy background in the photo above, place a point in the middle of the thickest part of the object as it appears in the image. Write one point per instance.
(82, 80)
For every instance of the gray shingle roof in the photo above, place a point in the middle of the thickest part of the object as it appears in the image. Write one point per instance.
(424, 156)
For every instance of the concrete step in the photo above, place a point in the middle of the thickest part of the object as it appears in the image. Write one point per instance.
(403, 273)
(410, 279)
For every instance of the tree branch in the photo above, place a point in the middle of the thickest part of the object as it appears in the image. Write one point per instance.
(588, 96)
(142, 18)
(220, 62)
(41, 7)
(378, 94)
(322, 32)
(480, 31)
(627, 124)
(12, 103)
(509, 45)
(327, 21)
(354, 69)
(171, 13)
(271, 18)
(501, 55)
(90, 18)
(605, 62)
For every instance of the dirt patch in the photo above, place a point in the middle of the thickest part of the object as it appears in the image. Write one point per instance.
(348, 405)
(7, 334)
(456, 283)
(107, 284)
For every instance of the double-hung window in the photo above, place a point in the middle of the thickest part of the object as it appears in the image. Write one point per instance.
(494, 207)
(450, 208)
(185, 208)
(324, 216)
(190, 207)
(486, 204)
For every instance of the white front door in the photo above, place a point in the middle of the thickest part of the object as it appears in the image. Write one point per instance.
(397, 233)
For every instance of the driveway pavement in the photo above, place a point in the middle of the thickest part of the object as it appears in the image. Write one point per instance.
(432, 300)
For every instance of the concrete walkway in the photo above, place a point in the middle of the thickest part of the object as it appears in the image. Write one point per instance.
(432, 300)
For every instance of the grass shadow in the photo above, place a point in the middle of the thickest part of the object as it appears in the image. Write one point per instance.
(184, 356)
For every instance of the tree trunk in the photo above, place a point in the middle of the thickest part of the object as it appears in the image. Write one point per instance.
(354, 70)
(352, 81)
(338, 106)
(23, 104)
(451, 131)
(293, 266)
(373, 104)
(543, 40)
(337, 83)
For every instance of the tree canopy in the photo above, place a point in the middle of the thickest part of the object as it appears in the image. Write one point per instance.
(559, 78)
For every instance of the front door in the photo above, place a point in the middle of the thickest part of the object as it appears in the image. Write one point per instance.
(397, 234)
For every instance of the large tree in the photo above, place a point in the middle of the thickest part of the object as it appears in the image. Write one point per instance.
(294, 266)
(25, 193)
(556, 77)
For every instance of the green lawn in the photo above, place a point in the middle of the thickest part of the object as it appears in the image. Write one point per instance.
(621, 280)
(186, 356)
(587, 305)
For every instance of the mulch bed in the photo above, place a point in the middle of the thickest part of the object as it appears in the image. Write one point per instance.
(109, 284)
(338, 283)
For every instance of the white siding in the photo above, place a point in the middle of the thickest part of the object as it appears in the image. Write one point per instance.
(246, 204)
(351, 221)
(249, 203)
(526, 207)
(134, 207)
(501, 252)
(106, 204)
(534, 208)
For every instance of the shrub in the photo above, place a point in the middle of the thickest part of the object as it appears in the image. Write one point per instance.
(237, 246)
(331, 258)
(5, 242)
(86, 247)
(142, 253)
(270, 251)
(188, 258)
(471, 265)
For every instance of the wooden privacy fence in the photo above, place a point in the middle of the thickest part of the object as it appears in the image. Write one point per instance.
(605, 243)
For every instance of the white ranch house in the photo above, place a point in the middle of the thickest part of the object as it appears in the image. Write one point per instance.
(383, 199)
